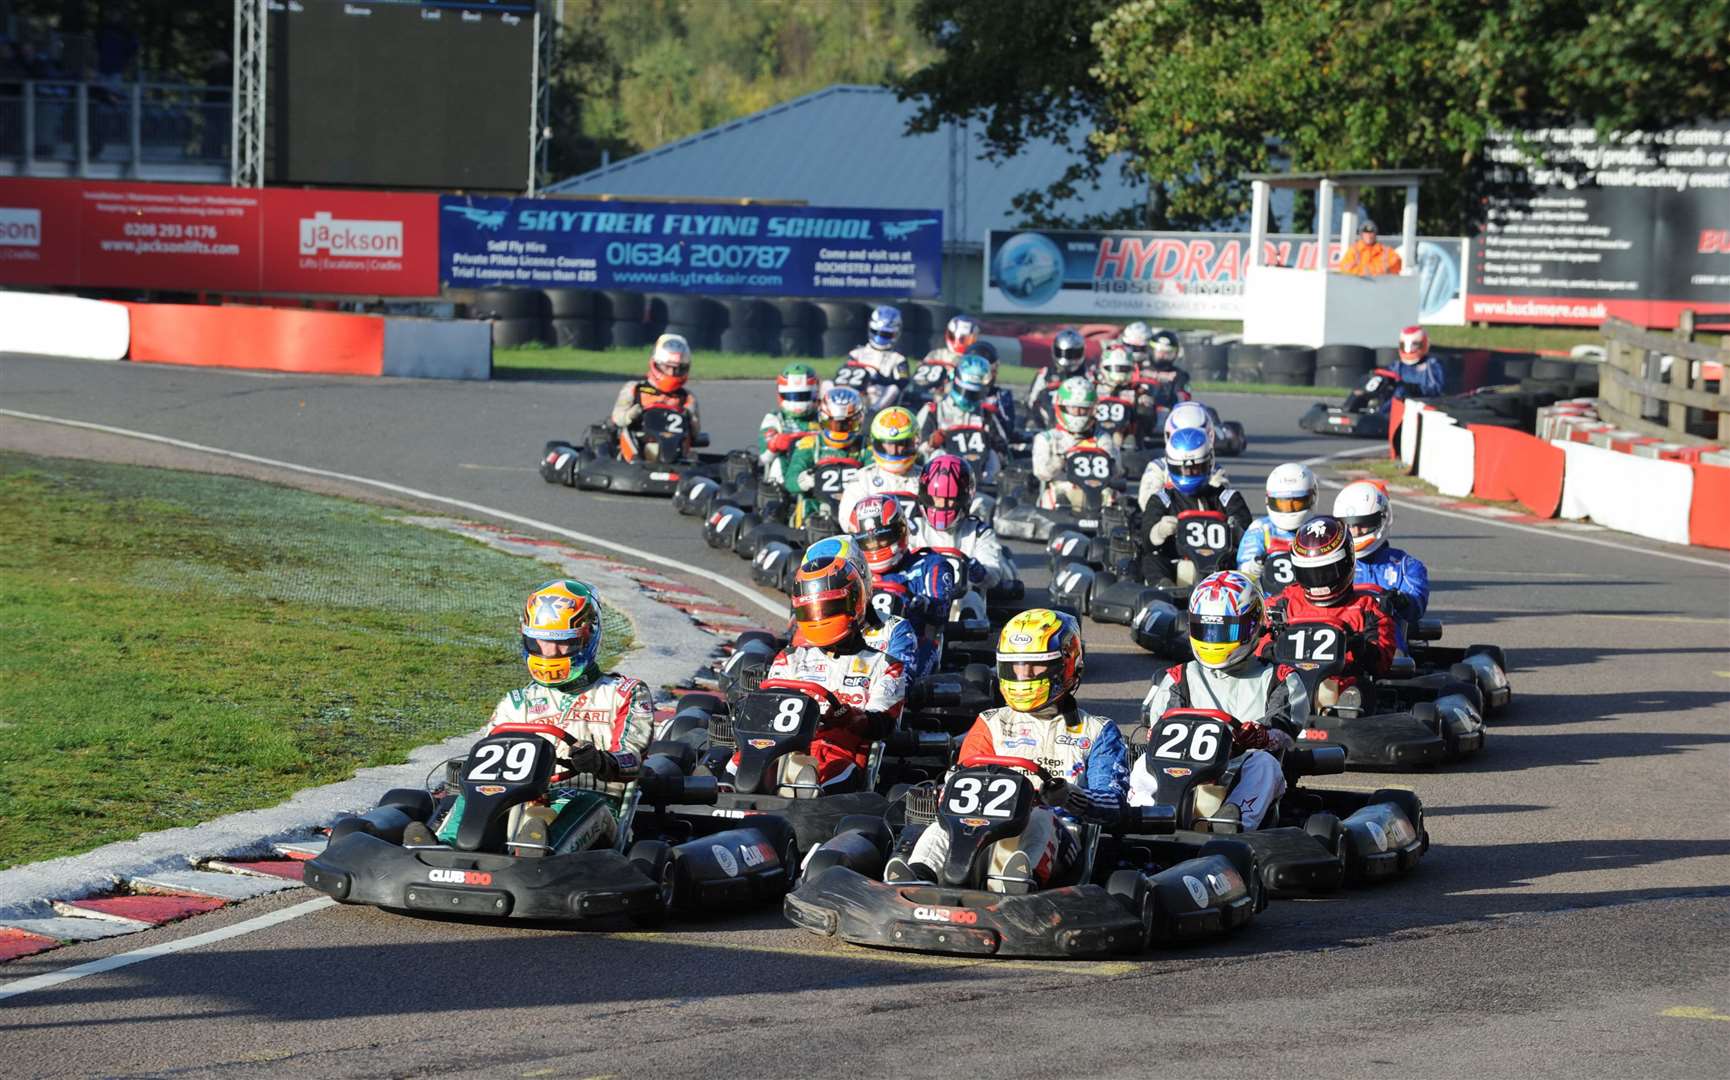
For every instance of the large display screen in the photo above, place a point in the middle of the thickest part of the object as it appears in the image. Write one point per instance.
(401, 93)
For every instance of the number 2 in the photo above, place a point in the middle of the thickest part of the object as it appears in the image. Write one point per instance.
(1202, 745)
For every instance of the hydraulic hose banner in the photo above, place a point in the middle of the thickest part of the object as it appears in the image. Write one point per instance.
(689, 247)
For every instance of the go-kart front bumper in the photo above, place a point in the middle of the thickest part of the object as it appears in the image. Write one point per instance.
(1324, 419)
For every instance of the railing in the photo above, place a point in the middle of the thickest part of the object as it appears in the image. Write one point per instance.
(1660, 385)
(107, 129)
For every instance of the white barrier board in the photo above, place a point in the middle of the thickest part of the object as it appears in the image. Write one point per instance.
(1621, 491)
(68, 326)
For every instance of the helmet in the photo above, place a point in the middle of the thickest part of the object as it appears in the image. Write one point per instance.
(961, 332)
(830, 594)
(1367, 513)
(1291, 495)
(1189, 414)
(1165, 347)
(1068, 352)
(945, 491)
(561, 616)
(670, 363)
(1116, 367)
(1039, 659)
(1414, 344)
(839, 415)
(1321, 559)
(796, 386)
(880, 530)
(1225, 619)
(884, 328)
(1074, 406)
(971, 382)
(1137, 340)
(1189, 459)
(892, 437)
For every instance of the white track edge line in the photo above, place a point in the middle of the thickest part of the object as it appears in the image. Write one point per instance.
(502, 515)
(167, 948)
(1486, 519)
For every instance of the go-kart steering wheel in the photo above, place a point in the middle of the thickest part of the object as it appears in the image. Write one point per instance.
(817, 691)
(551, 731)
(1046, 780)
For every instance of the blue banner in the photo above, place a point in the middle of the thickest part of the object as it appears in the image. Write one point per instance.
(812, 251)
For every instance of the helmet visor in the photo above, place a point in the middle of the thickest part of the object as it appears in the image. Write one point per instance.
(892, 449)
(1365, 524)
(1074, 417)
(1189, 470)
(1223, 629)
(1290, 504)
(1328, 579)
(798, 397)
(1023, 669)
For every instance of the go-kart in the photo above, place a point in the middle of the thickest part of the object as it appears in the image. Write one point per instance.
(737, 481)
(1400, 718)
(512, 857)
(651, 458)
(1312, 840)
(1092, 476)
(1363, 414)
(776, 534)
(1116, 898)
(1485, 666)
(1128, 581)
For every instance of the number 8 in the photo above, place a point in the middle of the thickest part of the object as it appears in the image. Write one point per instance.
(788, 715)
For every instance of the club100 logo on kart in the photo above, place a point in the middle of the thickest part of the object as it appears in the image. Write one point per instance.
(459, 877)
(953, 916)
(20, 226)
(325, 235)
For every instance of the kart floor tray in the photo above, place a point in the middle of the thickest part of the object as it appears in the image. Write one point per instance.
(1382, 739)
(1293, 862)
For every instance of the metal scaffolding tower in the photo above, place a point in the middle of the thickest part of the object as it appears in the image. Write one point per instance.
(251, 20)
(541, 91)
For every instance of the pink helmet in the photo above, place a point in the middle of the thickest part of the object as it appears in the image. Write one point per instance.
(945, 491)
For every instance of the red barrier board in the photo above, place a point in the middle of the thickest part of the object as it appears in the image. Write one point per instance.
(257, 338)
(1511, 464)
(195, 237)
(1709, 513)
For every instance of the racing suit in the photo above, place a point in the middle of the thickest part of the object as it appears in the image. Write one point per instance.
(1403, 578)
(874, 479)
(939, 416)
(1073, 745)
(808, 453)
(868, 674)
(1001, 404)
(920, 591)
(1422, 379)
(1050, 447)
(988, 562)
(1261, 539)
(613, 713)
(887, 375)
(636, 396)
(1159, 561)
(1370, 643)
(777, 436)
(1164, 385)
(1153, 479)
(1267, 702)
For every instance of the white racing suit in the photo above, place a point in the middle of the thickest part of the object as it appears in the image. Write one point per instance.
(889, 375)
(1264, 698)
(1073, 745)
(1049, 449)
(977, 541)
(937, 416)
(872, 480)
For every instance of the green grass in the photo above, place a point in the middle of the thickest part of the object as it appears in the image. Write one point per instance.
(181, 646)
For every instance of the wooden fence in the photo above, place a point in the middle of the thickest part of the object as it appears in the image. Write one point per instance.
(1641, 392)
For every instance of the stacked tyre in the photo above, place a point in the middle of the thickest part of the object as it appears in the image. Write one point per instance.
(695, 318)
(1289, 365)
(1207, 362)
(518, 316)
(800, 332)
(842, 326)
(749, 326)
(620, 319)
(1561, 379)
(1243, 363)
(572, 313)
(1343, 365)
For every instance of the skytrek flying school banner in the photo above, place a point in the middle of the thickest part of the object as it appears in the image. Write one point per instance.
(689, 247)
(1177, 275)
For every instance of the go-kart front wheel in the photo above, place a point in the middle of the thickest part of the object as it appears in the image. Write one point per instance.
(655, 859)
(1132, 889)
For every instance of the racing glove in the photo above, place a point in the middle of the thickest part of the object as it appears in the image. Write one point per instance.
(592, 761)
(1163, 529)
(976, 572)
(806, 481)
(783, 441)
(633, 413)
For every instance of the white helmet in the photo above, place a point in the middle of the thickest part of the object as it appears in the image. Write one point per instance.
(1414, 344)
(1116, 368)
(1136, 336)
(1291, 495)
(1189, 414)
(1367, 512)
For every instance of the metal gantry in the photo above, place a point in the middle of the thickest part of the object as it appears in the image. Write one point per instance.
(251, 21)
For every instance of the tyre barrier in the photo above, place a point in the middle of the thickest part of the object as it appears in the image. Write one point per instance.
(1243, 363)
(1207, 362)
(1289, 365)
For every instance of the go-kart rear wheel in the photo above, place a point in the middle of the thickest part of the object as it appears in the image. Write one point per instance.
(1134, 892)
(655, 859)
(790, 859)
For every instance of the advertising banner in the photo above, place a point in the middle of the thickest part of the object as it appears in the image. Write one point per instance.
(1632, 236)
(689, 247)
(1175, 275)
(197, 237)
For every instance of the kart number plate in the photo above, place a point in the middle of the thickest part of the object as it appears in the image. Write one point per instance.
(774, 713)
(1277, 571)
(979, 795)
(1311, 645)
(1089, 468)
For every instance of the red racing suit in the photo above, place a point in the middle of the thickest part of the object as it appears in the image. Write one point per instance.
(868, 676)
(1371, 643)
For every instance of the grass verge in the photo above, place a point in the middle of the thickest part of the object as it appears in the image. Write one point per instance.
(180, 646)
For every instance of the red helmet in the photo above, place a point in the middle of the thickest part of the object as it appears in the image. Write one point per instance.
(880, 528)
(1414, 344)
(945, 491)
(670, 364)
(1321, 558)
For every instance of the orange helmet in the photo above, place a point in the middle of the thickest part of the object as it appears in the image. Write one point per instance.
(670, 364)
(830, 593)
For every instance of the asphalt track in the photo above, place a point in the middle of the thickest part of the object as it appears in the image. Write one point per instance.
(1573, 919)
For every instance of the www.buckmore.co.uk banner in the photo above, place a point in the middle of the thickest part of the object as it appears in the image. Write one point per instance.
(198, 237)
(689, 247)
(1177, 275)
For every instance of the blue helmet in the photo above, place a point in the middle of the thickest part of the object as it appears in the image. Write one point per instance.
(971, 383)
(1188, 459)
(885, 327)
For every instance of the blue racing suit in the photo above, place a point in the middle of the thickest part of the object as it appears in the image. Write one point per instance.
(1002, 402)
(1422, 379)
(1262, 537)
(1401, 575)
(920, 590)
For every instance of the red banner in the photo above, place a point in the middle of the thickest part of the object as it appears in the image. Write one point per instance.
(190, 237)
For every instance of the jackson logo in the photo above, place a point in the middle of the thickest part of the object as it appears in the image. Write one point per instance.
(20, 226)
(975, 822)
(322, 234)
(460, 877)
(954, 916)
